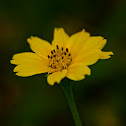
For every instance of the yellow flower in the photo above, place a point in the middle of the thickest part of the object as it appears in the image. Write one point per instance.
(68, 56)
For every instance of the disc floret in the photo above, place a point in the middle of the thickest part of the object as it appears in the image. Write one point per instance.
(60, 58)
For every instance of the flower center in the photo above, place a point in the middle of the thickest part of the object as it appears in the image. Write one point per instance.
(60, 58)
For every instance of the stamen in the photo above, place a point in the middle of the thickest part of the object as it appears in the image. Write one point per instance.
(62, 48)
(54, 55)
(62, 57)
(57, 46)
(54, 50)
(64, 53)
(67, 49)
(51, 57)
(48, 56)
(69, 54)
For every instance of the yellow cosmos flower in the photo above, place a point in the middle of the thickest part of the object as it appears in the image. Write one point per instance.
(68, 56)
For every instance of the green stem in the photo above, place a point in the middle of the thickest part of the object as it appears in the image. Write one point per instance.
(69, 95)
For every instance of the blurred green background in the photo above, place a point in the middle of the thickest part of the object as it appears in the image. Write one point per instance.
(100, 98)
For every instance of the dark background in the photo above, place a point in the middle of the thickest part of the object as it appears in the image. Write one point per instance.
(100, 98)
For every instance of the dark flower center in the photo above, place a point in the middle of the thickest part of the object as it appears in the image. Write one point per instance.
(59, 58)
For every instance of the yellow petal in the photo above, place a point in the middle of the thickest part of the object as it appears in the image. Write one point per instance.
(29, 69)
(76, 40)
(29, 64)
(39, 46)
(106, 55)
(96, 42)
(27, 57)
(88, 57)
(56, 77)
(76, 71)
(60, 37)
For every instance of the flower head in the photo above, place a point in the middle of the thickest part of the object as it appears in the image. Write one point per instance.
(66, 57)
